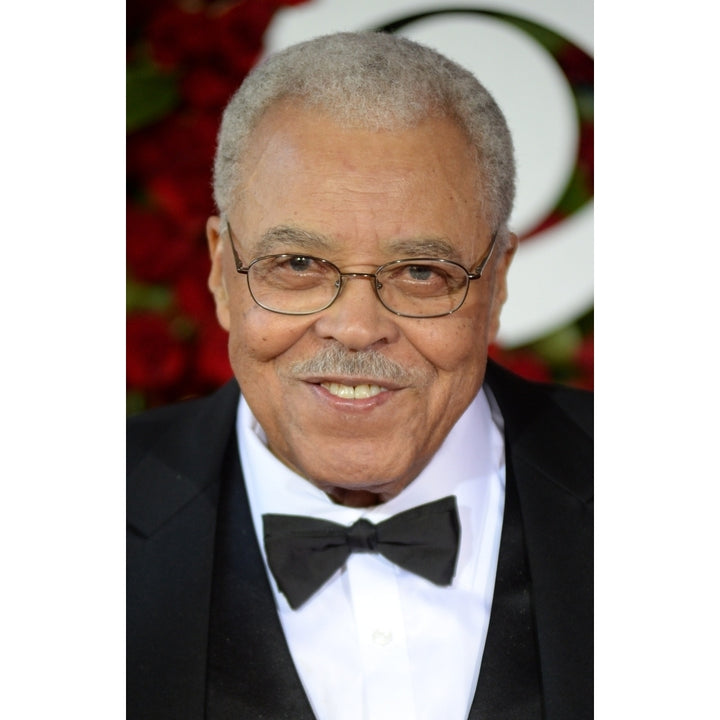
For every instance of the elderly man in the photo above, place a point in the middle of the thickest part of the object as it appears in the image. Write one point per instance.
(372, 521)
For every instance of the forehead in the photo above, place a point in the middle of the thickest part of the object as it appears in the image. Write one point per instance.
(283, 238)
(307, 179)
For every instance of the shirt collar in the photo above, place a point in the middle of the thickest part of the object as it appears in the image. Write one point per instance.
(472, 450)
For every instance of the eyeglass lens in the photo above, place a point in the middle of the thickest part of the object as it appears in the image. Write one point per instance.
(301, 284)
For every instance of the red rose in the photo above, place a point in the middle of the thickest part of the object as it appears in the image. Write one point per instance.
(146, 150)
(172, 167)
(157, 248)
(584, 359)
(182, 141)
(179, 37)
(521, 362)
(240, 34)
(155, 357)
(192, 295)
(185, 200)
(138, 13)
(209, 88)
(212, 363)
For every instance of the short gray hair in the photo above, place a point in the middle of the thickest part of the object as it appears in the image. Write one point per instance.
(378, 81)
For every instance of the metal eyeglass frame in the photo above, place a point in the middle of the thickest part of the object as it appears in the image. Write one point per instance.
(376, 285)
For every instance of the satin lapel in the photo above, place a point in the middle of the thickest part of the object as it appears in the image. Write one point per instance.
(509, 683)
(250, 670)
(559, 556)
(173, 486)
(550, 451)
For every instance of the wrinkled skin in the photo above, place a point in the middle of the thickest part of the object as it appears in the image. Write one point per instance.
(369, 197)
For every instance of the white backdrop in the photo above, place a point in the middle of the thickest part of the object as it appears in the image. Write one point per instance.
(551, 280)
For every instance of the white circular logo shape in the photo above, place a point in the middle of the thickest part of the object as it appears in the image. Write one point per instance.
(551, 278)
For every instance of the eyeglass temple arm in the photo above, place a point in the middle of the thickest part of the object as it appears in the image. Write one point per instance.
(479, 269)
(238, 262)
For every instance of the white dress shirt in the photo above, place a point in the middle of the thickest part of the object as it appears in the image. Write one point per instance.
(377, 642)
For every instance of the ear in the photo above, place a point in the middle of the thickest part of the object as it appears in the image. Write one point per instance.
(500, 292)
(216, 279)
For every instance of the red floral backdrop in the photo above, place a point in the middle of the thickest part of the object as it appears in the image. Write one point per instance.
(184, 60)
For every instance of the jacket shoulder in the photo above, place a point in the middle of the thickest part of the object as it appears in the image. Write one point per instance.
(528, 399)
(148, 429)
(548, 428)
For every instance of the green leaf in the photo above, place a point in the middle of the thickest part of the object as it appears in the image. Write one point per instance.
(157, 298)
(134, 402)
(150, 94)
(559, 347)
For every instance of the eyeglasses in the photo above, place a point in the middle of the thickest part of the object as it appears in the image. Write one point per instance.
(297, 284)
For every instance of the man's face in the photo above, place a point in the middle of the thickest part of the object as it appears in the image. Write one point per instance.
(361, 198)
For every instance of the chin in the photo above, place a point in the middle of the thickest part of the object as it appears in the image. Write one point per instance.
(359, 478)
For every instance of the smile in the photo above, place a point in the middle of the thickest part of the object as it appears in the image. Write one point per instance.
(353, 392)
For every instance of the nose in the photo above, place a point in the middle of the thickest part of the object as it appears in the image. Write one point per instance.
(357, 318)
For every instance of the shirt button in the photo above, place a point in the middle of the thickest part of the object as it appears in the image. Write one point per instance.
(382, 637)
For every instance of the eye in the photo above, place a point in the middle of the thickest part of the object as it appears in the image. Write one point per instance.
(299, 263)
(296, 272)
(414, 278)
(426, 279)
(422, 273)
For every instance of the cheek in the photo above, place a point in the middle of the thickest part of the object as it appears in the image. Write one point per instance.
(259, 336)
(453, 345)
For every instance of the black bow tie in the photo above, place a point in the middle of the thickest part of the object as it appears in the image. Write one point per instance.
(304, 552)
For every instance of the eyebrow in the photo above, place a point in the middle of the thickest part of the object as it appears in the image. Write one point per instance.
(287, 237)
(284, 237)
(432, 247)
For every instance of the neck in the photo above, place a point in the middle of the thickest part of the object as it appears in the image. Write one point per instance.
(356, 498)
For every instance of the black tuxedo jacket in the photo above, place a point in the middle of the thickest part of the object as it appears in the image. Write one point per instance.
(177, 457)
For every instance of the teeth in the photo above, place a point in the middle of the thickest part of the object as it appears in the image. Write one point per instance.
(353, 393)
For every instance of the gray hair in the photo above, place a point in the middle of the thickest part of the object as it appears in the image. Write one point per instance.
(377, 81)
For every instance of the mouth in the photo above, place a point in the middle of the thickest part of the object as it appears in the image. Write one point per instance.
(353, 392)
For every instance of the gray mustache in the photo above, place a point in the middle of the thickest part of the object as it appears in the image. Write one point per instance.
(364, 363)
